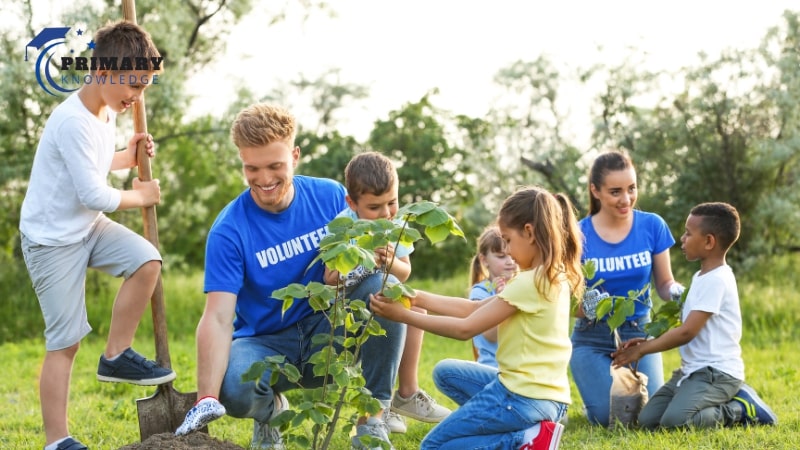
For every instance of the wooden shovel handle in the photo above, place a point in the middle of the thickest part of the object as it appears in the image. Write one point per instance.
(149, 214)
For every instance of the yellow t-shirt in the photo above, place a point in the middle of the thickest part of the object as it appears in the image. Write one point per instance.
(533, 345)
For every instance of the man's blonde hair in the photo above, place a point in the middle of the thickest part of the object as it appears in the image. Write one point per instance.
(262, 124)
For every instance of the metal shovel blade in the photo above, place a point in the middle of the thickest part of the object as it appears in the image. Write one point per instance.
(163, 412)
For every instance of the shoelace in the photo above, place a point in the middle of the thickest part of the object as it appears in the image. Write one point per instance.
(425, 401)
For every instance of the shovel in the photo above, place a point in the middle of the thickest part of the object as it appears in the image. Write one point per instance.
(164, 411)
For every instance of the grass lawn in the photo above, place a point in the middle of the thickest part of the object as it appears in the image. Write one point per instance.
(104, 415)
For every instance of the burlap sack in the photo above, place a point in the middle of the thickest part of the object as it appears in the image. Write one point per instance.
(628, 397)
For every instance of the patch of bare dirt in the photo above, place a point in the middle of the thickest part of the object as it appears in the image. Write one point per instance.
(191, 441)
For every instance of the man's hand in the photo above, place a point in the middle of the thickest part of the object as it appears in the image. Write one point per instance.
(204, 411)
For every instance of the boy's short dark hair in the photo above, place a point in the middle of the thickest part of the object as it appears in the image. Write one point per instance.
(719, 219)
(123, 39)
(369, 173)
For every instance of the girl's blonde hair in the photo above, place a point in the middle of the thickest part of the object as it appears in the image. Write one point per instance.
(556, 233)
(490, 241)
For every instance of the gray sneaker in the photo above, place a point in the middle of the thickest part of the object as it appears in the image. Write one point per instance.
(265, 436)
(419, 406)
(373, 435)
(131, 367)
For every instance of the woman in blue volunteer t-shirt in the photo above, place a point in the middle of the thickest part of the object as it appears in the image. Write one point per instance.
(630, 249)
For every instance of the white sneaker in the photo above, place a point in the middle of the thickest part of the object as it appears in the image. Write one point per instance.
(395, 422)
(201, 414)
(375, 433)
(419, 406)
(265, 436)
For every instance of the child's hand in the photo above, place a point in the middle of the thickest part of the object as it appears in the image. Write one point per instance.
(149, 146)
(628, 353)
(149, 190)
(499, 283)
(386, 307)
(384, 255)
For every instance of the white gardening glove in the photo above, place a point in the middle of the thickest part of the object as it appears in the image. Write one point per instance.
(590, 300)
(676, 291)
(206, 410)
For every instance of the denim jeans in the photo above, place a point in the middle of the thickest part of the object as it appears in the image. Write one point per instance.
(380, 355)
(380, 360)
(489, 415)
(592, 345)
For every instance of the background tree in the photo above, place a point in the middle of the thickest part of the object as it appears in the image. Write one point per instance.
(431, 168)
(730, 134)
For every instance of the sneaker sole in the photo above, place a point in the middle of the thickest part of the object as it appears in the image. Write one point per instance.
(397, 430)
(558, 430)
(761, 405)
(144, 382)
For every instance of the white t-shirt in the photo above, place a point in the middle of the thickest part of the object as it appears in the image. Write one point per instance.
(68, 188)
(717, 344)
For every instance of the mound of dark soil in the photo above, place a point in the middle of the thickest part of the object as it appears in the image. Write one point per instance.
(194, 441)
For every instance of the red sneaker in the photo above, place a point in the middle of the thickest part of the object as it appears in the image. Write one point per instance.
(547, 438)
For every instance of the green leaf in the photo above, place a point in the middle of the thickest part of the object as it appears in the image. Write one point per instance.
(292, 291)
(416, 209)
(604, 307)
(437, 233)
(615, 320)
(318, 417)
(347, 260)
(433, 218)
(255, 371)
(287, 303)
(588, 270)
(291, 372)
(393, 291)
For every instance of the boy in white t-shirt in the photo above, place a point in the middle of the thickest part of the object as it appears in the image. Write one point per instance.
(708, 390)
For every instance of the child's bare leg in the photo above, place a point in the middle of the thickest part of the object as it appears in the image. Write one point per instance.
(132, 299)
(408, 381)
(54, 391)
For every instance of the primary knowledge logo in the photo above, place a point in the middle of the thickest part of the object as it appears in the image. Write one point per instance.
(58, 62)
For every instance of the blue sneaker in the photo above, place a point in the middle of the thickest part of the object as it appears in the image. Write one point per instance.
(754, 410)
(131, 367)
(70, 444)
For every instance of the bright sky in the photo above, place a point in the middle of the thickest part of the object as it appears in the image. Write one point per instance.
(402, 49)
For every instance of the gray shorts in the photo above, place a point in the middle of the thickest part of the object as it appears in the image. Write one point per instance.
(58, 274)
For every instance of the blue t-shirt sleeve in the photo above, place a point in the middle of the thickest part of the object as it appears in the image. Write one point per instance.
(661, 234)
(224, 267)
(481, 291)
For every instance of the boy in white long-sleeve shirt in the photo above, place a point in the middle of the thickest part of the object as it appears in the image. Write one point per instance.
(64, 231)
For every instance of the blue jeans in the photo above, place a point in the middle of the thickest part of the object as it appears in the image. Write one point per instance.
(592, 345)
(489, 415)
(380, 358)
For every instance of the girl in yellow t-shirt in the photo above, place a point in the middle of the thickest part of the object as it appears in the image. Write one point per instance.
(517, 405)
